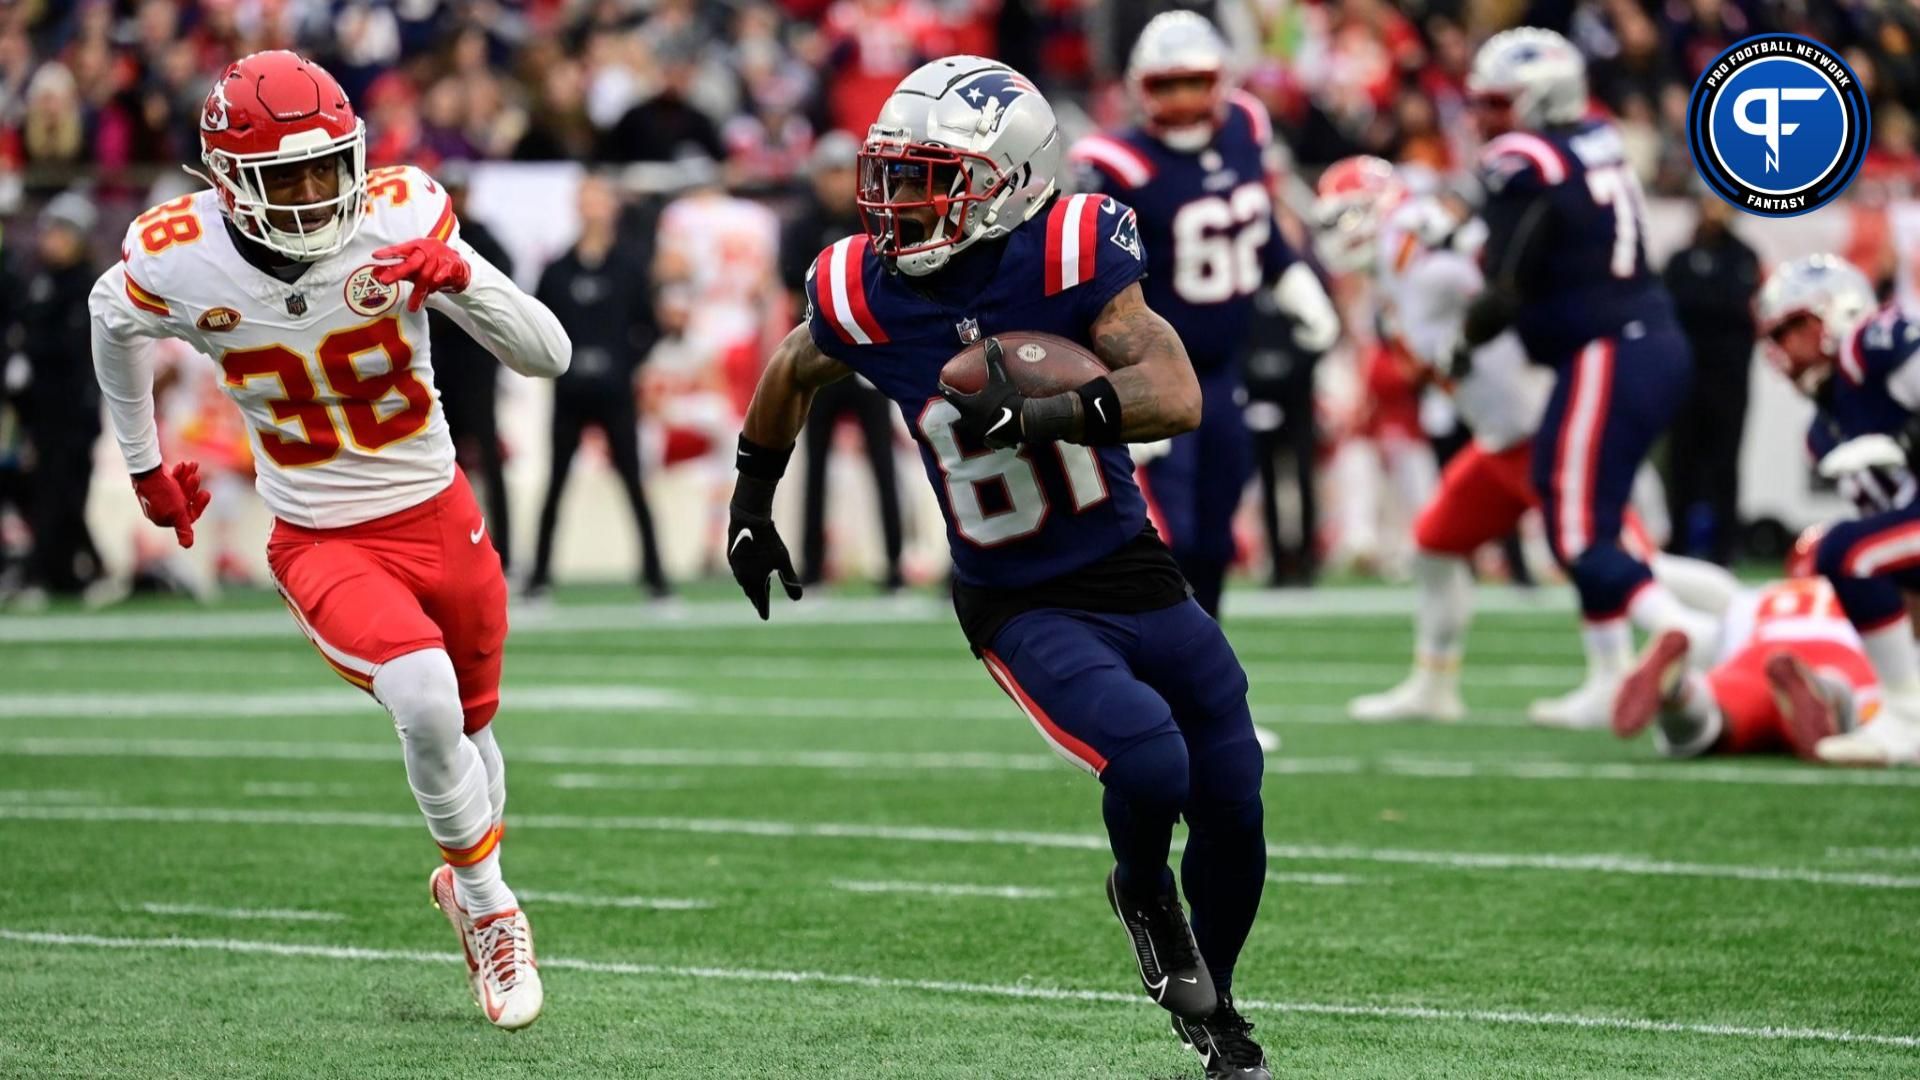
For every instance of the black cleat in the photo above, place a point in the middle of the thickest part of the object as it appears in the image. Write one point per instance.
(1170, 965)
(1225, 1044)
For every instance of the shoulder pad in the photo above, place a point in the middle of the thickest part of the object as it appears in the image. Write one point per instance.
(837, 292)
(156, 246)
(1124, 165)
(1519, 153)
(1075, 228)
(1259, 120)
(404, 203)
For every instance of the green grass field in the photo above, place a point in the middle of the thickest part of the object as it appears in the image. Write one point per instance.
(829, 847)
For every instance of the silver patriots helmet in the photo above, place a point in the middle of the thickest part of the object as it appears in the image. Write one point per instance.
(1179, 45)
(1824, 287)
(1536, 77)
(965, 150)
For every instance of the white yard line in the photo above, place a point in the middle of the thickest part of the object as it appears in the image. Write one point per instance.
(1403, 766)
(1885, 854)
(930, 888)
(649, 903)
(248, 914)
(1584, 863)
(1284, 604)
(1319, 879)
(1770, 1033)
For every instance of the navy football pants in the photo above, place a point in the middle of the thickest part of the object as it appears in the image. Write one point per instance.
(1871, 561)
(1195, 488)
(1610, 404)
(1155, 705)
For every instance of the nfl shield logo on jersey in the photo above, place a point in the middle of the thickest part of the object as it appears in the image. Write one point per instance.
(1778, 125)
(297, 304)
(968, 329)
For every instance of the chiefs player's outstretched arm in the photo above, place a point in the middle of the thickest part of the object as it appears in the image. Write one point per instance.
(1152, 376)
(514, 327)
(780, 403)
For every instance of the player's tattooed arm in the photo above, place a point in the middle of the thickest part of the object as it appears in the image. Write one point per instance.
(1159, 396)
(780, 403)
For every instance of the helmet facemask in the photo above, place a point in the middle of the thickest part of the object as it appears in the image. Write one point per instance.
(285, 228)
(1186, 126)
(921, 203)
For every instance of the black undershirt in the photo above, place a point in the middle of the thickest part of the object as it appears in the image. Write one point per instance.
(1140, 576)
(265, 259)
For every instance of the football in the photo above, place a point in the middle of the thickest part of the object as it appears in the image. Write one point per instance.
(1038, 364)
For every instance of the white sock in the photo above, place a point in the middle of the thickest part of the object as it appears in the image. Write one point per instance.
(1609, 645)
(445, 771)
(496, 767)
(1445, 608)
(1654, 609)
(1891, 652)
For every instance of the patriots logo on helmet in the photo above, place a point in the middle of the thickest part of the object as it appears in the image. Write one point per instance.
(993, 91)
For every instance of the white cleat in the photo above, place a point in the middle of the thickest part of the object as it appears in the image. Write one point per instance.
(1268, 739)
(1589, 707)
(1420, 697)
(501, 969)
(1889, 740)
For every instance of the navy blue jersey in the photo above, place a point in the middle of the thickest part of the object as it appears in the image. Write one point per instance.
(1207, 221)
(1015, 517)
(1873, 384)
(1567, 225)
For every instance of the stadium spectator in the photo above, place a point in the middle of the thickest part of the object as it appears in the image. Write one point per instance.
(666, 126)
(828, 216)
(1713, 281)
(61, 405)
(599, 293)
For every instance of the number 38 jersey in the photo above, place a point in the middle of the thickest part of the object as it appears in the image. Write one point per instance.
(1015, 517)
(1207, 222)
(331, 371)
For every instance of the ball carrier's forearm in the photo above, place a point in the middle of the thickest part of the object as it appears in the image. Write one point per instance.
(1151, 392)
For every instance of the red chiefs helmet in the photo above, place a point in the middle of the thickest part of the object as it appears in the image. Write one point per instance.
(276, 108)
(1353, 197)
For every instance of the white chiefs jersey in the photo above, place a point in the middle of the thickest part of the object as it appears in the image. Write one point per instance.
(1426, 284)
(332, 373)
(728, 247)
(1785, 612)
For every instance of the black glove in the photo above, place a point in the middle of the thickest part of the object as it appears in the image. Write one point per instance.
(755, 551)
(992, 416)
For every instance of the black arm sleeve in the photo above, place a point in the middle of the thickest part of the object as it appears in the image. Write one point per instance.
(1519, 237)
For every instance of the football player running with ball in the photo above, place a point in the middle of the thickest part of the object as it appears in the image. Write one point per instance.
(1065, 592)
(303, 277)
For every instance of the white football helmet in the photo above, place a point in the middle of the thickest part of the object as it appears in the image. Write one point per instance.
(1179, 44)
(1537, 74)
(1826, 287)
(969, 139)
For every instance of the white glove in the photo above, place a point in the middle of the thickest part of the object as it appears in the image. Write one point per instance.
(1300, 294)
(1862, 453)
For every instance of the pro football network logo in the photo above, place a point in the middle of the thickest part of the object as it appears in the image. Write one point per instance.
(1778, 125)
(366, 296)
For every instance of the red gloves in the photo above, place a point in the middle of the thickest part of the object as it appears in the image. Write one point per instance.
(173, 499)
(429, 265)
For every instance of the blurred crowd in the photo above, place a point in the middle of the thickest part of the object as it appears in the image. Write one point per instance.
(94, 87)
(750, 101)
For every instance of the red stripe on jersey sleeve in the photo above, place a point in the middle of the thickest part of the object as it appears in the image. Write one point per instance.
(1090, 218)
(823, 294)
(862, 312)
(1056, 235)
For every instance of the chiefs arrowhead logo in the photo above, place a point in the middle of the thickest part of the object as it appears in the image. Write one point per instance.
(218, 320)
(366, 296)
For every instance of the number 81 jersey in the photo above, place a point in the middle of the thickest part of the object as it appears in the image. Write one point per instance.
(331, 371)
(1020, 516)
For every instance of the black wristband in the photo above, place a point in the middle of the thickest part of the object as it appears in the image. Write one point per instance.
(1054, 418)
(752, 496)
(761, 462)
(1100, 413)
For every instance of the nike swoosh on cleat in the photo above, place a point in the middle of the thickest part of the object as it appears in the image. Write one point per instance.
(743, 534)
(1189, 982)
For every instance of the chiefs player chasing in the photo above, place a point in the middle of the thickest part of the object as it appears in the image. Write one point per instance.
(303, 276)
